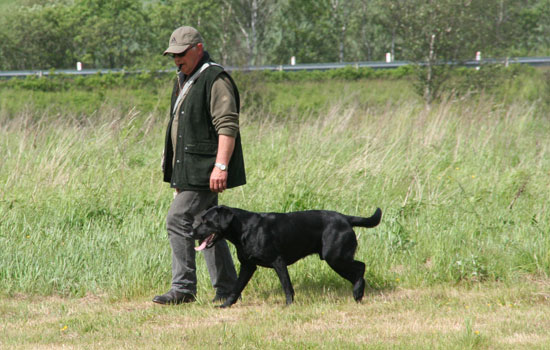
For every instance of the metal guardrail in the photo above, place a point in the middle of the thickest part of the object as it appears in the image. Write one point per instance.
(532, 61)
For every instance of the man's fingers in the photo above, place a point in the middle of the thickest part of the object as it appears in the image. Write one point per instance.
(218, 180)
(218, 185)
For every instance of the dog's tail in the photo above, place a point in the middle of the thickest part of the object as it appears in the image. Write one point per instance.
(366, 222)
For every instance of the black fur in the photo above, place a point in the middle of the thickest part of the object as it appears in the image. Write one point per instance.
(277, 240)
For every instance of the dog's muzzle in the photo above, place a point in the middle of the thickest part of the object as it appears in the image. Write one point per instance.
(208, 242)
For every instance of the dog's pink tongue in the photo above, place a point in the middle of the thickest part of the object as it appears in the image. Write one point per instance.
(205, 243)
(202, 246)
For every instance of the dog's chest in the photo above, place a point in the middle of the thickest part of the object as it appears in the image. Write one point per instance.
(258, 249)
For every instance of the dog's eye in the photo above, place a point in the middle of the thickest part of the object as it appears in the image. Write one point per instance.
(198, 222)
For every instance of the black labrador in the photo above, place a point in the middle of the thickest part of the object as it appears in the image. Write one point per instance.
(277, 240)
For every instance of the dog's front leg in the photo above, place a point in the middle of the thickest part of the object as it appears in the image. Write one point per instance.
(280, 267)
(246, 272)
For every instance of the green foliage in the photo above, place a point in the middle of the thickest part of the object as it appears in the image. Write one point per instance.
(84, 206)
(496, 79)
(147, 79)
(37, 37)
(99, 81)
(516, 80)
(109, 34)
(116, 34)
(434, 33)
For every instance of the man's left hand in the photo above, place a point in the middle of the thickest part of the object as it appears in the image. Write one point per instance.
(218, 180)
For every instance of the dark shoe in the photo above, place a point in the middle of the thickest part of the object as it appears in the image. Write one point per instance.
(173, 298)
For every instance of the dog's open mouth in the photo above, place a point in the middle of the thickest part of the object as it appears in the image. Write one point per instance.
(207, 243)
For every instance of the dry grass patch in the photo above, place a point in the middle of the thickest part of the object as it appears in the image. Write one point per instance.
(486, 316)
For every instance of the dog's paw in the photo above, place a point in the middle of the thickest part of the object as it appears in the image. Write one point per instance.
(359, 290)
(225, 305)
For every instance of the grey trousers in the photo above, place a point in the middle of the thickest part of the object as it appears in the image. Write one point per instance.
(179, 223)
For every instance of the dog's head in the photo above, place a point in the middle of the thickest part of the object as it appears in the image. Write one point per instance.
(211, 226)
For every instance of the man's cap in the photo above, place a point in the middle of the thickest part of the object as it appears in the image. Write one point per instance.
(183, 38)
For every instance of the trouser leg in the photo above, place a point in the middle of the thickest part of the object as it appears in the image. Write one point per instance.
(179, 222)
(184, 277)
(221, 268)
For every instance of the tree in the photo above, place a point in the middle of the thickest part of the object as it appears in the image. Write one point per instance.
(127, 33)
(435, 33)
(36, 38)
(111, 34)
(305, 31)
(252, 18)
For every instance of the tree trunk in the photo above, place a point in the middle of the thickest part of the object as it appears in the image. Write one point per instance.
(254, 39)
(428, 92)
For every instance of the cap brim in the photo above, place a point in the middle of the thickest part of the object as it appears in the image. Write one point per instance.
(175, 49)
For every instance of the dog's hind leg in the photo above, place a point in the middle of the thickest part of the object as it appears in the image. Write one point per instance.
(280, 267)
(353, 271)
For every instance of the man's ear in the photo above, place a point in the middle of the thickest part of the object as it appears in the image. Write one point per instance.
(200, 48)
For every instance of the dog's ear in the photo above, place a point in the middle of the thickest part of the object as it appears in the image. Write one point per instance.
(224, 216)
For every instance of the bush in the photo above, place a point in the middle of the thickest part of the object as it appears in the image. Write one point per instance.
(515, 81)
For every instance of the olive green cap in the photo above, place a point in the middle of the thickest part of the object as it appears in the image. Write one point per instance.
(183, 38)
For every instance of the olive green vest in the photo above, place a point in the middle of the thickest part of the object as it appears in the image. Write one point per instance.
(197, 143)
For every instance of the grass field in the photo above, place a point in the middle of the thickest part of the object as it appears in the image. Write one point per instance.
(484, 316)
(460, 260)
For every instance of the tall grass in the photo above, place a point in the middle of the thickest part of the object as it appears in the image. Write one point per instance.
(464, 188)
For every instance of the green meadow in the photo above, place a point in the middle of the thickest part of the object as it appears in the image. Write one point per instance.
(460, 260)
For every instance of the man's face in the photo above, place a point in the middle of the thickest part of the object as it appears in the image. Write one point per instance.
(187, 60)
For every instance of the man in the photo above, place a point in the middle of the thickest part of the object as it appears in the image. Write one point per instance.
(202, 157)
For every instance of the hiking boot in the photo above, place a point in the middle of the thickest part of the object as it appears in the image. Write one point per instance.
(173, 298)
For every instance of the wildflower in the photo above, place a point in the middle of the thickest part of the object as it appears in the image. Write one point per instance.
(476, 332)
(64, 328)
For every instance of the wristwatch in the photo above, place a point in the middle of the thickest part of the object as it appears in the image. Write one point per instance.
(221, 166)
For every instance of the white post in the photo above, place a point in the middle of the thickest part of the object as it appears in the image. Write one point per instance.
(478, 58)
(389, 59)
(79, 66)
(293, 60)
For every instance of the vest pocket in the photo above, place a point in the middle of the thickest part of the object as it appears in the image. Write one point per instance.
(199, 161)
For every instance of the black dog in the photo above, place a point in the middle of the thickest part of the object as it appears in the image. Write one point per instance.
(277, 240)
